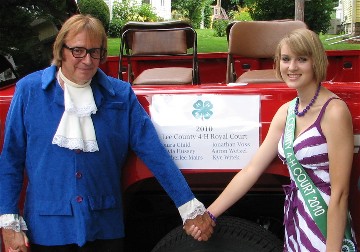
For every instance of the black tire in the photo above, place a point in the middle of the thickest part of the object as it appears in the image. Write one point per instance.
(231, 234)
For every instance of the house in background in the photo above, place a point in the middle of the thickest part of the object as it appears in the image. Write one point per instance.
(162, 7)
(350, 17)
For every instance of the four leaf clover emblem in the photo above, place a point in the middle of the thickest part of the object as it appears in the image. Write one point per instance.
(202, 109)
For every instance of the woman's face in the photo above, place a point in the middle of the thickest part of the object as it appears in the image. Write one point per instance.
(296, 70)
(79, 70)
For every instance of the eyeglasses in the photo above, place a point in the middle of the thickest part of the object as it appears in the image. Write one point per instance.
(80, 52)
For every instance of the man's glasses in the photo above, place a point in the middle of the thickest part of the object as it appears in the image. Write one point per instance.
(80, 52)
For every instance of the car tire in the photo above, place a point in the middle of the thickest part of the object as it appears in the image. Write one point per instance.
(231, 234)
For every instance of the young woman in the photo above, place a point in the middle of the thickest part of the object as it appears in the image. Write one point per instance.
(320, 122)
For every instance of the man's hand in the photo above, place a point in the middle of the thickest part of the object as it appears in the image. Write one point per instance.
(15, 241)
(201, 228)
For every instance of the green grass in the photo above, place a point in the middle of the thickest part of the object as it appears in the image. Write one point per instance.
(207, 42)
(345, 45)
(113, 46)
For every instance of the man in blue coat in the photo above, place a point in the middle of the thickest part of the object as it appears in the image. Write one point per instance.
(70, 128)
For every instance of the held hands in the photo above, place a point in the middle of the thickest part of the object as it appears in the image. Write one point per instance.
(15, 241)
(201, 228)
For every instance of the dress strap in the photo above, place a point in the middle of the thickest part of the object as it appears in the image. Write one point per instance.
(322, 111)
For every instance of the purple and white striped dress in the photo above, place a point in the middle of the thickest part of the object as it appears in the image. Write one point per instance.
(310, 148)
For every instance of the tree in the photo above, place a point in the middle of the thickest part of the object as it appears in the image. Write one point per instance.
(126, 11)
(232, 5)
(317, 13)
(96, 8)
(299, 10)
(191, 10)
(21, 23)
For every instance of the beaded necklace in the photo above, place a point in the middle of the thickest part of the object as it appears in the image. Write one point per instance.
(302, 113)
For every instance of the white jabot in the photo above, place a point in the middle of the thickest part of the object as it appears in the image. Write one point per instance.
(76, 128)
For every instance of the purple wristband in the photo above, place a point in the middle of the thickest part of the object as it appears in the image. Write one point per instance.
(211, 216)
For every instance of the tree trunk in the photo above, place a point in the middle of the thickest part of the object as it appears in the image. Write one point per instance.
(299, 9)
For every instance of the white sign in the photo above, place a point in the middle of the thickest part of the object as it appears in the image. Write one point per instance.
(208, 131)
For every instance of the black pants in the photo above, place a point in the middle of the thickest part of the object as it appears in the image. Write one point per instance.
(115, 245)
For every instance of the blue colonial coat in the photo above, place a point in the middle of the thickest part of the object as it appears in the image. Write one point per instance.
(74, 197)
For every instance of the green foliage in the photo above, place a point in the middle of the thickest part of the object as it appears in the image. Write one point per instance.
(147, 13)
(124, 12)
(219, 26)
(115, 28)
(96, 8)
(191, 10)
(271, 9)
(207, 16)
(242, 14)
(231, 5)
(317, 14)
(20, 34)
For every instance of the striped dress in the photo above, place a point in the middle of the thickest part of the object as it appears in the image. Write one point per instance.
(310, 148)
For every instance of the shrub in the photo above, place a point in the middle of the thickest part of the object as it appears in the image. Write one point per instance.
(191, 10)
(207, 16)
(242, 14)
(147, 13)
(96, 8)
(115, 28)
(219, 27)
(124, 12)
(317, 14)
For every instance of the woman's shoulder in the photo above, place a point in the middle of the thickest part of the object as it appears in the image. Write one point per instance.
(283, 110)
(336, 107)
(336, 122)
(336, 114)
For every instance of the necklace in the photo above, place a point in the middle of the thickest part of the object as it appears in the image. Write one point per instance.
(302, 113)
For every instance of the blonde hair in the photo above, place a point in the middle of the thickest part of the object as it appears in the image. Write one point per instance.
(74, 25)
(304, 42)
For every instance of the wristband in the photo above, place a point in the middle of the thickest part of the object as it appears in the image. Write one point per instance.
(211, 216)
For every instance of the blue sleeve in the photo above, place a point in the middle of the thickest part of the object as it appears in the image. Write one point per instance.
(148, 147)
(12, 158)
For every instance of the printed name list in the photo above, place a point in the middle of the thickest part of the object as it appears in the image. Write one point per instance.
(208, 131)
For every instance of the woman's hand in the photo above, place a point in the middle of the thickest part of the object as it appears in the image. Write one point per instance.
(201, 228)
(15, 241)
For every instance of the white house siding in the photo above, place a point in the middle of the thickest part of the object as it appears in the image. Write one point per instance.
(162, 8)
(351, 16)
(339, 12)
(348, 10)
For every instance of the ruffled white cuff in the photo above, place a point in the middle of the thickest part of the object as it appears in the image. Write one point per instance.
(12, 221)
(191, 209)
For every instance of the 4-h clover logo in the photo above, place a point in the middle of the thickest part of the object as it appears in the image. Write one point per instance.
(202, 110)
